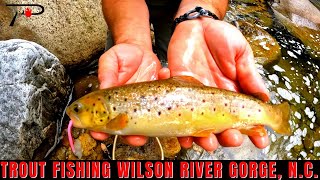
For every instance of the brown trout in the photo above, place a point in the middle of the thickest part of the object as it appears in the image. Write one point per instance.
(178, 106)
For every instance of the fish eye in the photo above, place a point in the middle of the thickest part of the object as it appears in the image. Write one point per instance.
(77, 107)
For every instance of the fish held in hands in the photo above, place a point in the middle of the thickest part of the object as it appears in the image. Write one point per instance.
(177, 107)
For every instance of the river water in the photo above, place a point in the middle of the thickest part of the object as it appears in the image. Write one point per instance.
(295, 78)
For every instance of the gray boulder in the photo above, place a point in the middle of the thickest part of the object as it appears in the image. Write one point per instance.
(34, 91)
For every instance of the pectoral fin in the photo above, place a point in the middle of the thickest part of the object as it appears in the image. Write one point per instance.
(118, 123)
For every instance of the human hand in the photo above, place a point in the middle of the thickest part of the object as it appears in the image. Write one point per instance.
(218, 55)
(124, 64)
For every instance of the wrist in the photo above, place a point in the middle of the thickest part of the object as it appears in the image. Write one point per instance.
(217, 7)
(128, 22)
(142, 39)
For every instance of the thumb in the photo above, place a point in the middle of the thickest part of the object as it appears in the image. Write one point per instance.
(164, 73)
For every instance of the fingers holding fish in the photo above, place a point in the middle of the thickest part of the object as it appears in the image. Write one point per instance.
(130, 140)
(100, 136)
(260, 141)
(230, 138)
(208, 143)
(186, 142)
(164, 73)
(135, 140)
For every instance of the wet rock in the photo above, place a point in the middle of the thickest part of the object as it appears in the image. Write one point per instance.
(87, 144)
(316, 3)
(252, 11)
(247, 151)
(265, 48)
(317, 134)
(86, 147)
(171, 146)
(303, 8)
(34, 91)
(312, 157)
(301, 27)
(150, 151)
(85, 85)
(309, 140)
(74, 31)
(60, 154)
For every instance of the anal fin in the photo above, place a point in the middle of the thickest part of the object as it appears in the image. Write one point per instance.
(203, 133)
(257, 130)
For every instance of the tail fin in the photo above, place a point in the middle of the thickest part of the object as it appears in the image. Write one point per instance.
(283, 126)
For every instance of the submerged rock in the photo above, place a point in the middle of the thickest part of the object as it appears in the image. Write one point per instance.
(302, 22)
(252, 11)
(303, 8)
(265, 48)
(34, 91)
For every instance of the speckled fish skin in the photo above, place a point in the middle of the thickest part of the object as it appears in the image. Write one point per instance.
(179, 106)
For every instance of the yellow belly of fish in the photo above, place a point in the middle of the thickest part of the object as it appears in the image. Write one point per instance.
(198, 123)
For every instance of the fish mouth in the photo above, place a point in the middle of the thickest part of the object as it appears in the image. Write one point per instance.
(75, 120)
